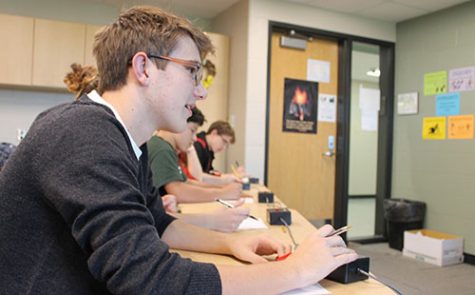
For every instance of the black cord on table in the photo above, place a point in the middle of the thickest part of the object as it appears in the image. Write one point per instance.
(376, 279)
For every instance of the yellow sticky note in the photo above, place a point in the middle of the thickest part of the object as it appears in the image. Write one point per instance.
(433, 128)
(435, 83)
(460, 127)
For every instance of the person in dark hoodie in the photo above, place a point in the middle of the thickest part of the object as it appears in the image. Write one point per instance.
(78, 212)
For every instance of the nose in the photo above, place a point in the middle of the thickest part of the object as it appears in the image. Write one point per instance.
(200, 92)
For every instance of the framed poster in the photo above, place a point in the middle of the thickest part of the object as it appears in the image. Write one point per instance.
(300, 106)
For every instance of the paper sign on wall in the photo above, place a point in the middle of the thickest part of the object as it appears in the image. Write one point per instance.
(462, 79)
(433, 128)
(318, 70)
(447, 104)
(369, 99)
(435, 83)
(369, 120)
(369, 105)
(407, 103)
(460, 127)
(326, 107)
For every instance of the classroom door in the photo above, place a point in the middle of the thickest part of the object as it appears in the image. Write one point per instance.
(299, 169)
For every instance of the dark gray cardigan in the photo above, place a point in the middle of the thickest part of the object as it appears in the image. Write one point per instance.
(78, 214)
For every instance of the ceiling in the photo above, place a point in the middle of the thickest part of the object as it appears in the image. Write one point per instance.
(386, 10)
(393, 11)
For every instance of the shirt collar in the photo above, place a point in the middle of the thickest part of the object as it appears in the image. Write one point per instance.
(95, 97)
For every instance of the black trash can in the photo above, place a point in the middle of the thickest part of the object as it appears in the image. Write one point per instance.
(402, 215)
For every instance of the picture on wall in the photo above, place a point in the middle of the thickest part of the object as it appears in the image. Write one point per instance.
(300, 106)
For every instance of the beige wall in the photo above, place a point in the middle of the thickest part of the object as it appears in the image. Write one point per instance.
(249, 68)
(234, 23)
(215, 106)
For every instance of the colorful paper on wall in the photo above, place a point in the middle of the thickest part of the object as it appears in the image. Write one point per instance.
(435, 83)
(433, 128)
(447, 104)
(462, 79)
(460, 127)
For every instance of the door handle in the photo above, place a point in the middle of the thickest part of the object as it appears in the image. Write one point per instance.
(331, 147)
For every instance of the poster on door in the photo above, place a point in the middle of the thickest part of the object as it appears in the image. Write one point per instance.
(300, 106)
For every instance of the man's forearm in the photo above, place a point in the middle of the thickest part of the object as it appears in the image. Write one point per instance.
(264, 278)
(194, 165)
(216, 180)
(188, 193)
(202, 184)
(257, 277)
(181, 235)
(201, 220)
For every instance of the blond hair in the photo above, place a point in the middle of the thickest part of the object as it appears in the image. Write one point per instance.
(81, 79)
(142, 28)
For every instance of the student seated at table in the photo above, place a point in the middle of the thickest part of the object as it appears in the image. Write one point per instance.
(84, 79)
(78, 211)
(163, 149)
(200, 156)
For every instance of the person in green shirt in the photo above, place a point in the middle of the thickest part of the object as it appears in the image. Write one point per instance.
(167, 173)
(163, 149)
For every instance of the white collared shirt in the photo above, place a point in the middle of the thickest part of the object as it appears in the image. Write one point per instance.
(95, 97)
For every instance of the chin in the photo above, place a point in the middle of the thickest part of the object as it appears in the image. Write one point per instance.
(175, 128)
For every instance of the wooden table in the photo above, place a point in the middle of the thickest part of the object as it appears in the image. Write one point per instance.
(300, 228)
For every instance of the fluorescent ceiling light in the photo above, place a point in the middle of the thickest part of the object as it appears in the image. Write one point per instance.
(374, 72)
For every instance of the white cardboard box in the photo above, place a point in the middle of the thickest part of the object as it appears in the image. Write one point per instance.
(433, 247)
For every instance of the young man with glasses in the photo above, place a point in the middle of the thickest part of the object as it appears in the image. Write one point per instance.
(78, 212)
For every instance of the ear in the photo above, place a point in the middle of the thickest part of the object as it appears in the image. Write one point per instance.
(140, 68)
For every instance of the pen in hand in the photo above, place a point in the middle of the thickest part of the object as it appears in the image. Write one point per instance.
(229, 205)
(339, 231)
(336, 232)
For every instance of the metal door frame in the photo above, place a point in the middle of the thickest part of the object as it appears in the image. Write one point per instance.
(385, 129)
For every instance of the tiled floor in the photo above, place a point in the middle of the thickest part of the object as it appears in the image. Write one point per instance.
(412, 277)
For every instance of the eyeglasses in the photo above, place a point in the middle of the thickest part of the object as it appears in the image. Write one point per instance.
(225, 141)
(192, 65)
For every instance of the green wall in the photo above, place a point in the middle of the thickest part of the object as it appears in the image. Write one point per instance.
(438, 172)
